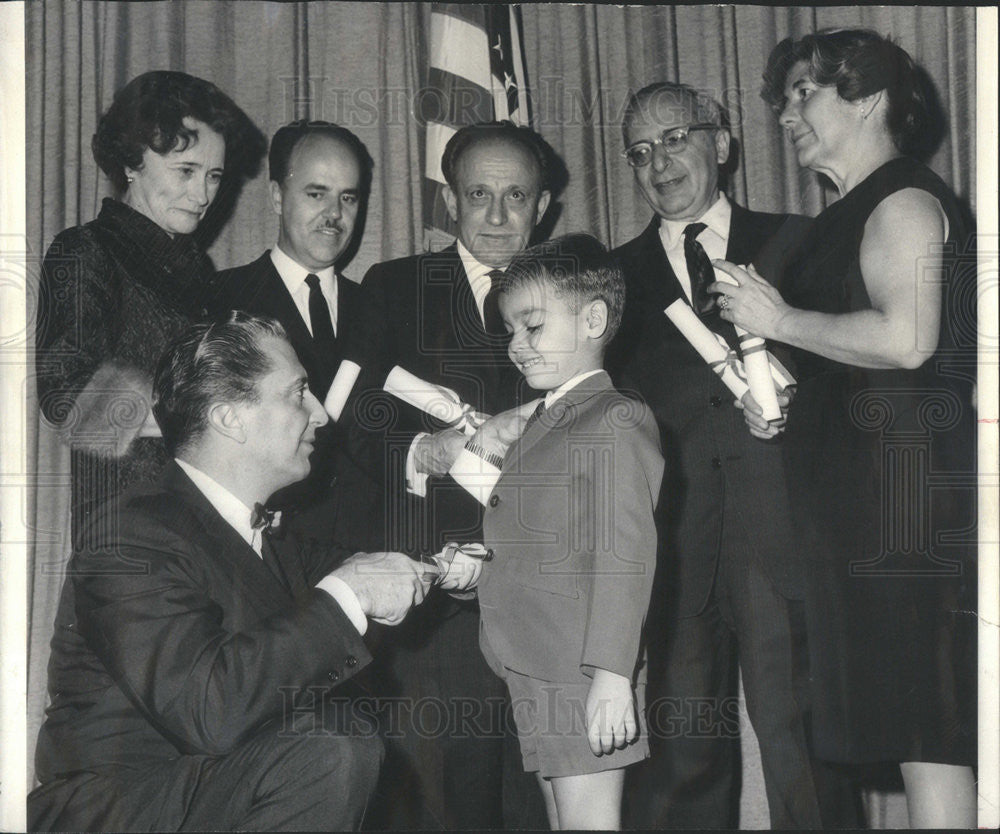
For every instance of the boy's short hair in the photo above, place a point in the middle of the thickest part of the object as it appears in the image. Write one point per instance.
(574, 265)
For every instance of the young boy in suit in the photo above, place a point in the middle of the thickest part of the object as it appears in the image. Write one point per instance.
(569, 518)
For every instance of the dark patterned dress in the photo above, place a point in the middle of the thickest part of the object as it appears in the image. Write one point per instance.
(113, 293)
(882, 474)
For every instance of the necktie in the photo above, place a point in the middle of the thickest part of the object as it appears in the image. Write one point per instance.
(700, 270)
(491, 306)
(539, 409)
(319, 311)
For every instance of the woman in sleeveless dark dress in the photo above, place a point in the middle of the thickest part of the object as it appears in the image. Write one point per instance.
(880, 440)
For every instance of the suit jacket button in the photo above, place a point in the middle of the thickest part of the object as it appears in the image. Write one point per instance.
(715, 401)
(494, 500)
(333, 676)
(716, 463)
(351, 661)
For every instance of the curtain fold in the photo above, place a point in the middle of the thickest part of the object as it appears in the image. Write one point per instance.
(363, 65)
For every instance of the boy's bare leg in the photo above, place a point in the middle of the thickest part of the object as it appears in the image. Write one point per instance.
(590, 801)
(550, 801)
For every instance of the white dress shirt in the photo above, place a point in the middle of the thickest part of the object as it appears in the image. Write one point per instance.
(478, 276)
(237, 515)
(293, 274)
(714, 239)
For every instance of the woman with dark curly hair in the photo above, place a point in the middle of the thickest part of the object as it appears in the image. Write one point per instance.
(880, 440)
(116, 290)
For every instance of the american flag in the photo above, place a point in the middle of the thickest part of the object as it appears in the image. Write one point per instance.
(476, 75)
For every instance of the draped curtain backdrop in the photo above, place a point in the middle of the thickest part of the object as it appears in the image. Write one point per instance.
(363, 65)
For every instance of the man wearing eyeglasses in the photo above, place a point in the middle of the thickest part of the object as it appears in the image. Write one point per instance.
(728, 589)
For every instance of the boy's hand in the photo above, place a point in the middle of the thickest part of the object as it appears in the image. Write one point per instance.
(461, 566)
(611, 717)
(500, 430)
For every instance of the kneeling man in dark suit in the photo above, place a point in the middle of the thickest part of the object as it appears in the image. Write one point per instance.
(194, 649)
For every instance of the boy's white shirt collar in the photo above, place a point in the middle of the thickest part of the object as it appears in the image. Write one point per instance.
(232, 509)
(569, 385)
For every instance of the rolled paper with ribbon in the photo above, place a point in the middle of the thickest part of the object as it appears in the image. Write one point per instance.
(758, 371)
(340, 388)
(703, 340)
(439, 402)
(756, 363)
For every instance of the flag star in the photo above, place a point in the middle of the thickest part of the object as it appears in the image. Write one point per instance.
(508, 81)
(498, 46)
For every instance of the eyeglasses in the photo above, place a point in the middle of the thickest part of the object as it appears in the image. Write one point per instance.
(673, 140)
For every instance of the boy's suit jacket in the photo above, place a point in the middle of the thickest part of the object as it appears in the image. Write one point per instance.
(571, 524)
(711, 455)
(173, 637)
(339, 501)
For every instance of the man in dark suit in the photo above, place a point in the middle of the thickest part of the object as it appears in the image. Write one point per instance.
(320, 177)
(194, 652)
(728, 593)
(436, 315)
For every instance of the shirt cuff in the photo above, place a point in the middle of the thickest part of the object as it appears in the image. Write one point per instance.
(416, 482)
(346, 599)
(475, 475)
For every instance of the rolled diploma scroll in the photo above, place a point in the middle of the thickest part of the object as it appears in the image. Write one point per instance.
(441, 403)
(756, 364)
(340, 388)
(779, 373)
(703, 340)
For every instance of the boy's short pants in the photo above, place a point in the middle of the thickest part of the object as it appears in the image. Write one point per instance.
(552, 728)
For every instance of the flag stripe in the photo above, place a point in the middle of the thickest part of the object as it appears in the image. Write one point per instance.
(455, 100)
(520, 112)
(437, 137)
(460, 48)
(469, 12)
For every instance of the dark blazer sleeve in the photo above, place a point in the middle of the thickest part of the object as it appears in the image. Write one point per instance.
(150, 609)
(624, 559)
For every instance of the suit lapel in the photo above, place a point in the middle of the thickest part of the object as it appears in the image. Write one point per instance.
(223, 544)
(561, 412)
(744, 236)
(657, 275)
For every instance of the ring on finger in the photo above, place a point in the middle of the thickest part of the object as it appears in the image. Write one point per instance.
(724, 302)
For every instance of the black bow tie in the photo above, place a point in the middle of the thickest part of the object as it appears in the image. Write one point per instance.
(262, 518)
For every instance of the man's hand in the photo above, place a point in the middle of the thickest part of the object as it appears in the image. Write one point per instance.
(500, 430)
(435, 453)
(387, 585)
(753, 414)
(611, 717)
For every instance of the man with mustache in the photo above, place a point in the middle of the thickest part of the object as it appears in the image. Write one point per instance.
(320, 174)
(195, 652)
